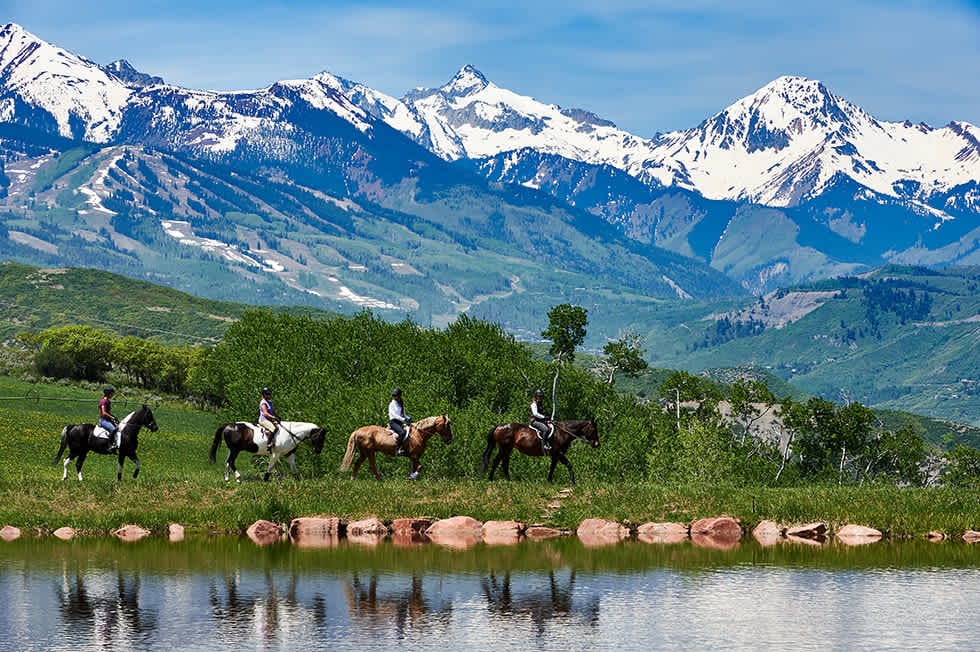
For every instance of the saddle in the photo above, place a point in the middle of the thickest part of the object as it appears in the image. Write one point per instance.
(100, 432)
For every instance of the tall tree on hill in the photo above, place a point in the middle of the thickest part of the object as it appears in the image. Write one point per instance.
(566, 330)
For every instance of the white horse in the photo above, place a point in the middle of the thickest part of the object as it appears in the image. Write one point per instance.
(241, 436)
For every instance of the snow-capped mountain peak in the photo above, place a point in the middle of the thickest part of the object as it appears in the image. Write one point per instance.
(467, 81)
(85, 101)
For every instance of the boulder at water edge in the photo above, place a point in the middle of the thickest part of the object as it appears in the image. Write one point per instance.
(501, 533)
(9, 533)
(767, 533)
(315, 531)
(131, 533)
(858, 535)
(595, 532)
(668, 533)
(718, 532)
(64, 533)
(457, 532)
(263, 532)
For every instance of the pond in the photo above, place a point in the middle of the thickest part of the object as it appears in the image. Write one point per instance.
(228, 593)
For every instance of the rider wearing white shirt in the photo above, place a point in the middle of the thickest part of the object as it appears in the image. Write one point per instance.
(540, 421)
(398, 420)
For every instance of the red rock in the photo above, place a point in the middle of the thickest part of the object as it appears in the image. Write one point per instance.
(371, 525)
(596, 532)
(718, 532)
(263, 532)
(767, 533)
(934, 535)
(499, 533)
(410, 525)
(131, 533)
(971, 536)
(856, 535)
(540, 532)
(669, 533)
(175, 532)
(64, 533)
(808, 531)
(455, 524)
(315, 531)
(9, 533)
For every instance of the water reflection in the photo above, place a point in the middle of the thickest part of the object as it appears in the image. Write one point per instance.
(103, 613)
(542, 604)
(557, 594)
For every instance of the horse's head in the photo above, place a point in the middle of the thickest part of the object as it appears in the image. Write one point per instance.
(445, 428)
(147, 419)
(588, 431)
(317, 437)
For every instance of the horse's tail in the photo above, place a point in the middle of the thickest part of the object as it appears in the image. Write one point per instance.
(349, 454)
(216, 443)
(491, 442)
(64, 444)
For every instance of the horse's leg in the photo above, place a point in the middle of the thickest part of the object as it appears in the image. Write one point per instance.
(78, 464)
(374, 467)
(230, 464)
(64, 476)
(493, 465)
(357, 465)
(416, 469)
(505, 464)
(560, 457)
(273, 458)
(291, 458)
(136, 460)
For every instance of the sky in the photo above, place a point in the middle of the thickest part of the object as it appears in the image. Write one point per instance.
(647, 65)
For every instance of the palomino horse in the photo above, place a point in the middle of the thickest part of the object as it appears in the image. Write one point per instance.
(241, 436)
(82, 439)
(368, 440)
(508, 436)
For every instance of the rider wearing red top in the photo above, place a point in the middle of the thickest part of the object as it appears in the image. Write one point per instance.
(106, 418)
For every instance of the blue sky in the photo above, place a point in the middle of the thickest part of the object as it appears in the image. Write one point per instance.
(647, 65)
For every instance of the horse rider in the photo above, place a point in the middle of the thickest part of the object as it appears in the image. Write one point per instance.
(268, 419)
(398, 421)
(106, 418)
(540, 421)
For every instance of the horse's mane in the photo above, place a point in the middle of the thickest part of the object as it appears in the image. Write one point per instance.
(427, 421)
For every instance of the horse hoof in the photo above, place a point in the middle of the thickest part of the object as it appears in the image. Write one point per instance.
(414, 475)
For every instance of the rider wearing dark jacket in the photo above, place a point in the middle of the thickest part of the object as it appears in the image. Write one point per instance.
(398, 421)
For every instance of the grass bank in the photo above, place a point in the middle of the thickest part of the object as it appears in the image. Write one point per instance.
(178, 485)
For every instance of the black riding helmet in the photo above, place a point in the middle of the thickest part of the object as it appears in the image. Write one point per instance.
(395, 393)
(108, 389)
(538, 393)
(266, 390)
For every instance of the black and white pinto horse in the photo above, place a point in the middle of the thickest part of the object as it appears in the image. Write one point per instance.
(240, 436)
(85, 438)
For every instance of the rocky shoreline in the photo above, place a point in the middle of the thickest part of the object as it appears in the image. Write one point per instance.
(461, 532)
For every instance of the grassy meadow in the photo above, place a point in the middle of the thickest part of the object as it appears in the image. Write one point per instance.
(178, 485)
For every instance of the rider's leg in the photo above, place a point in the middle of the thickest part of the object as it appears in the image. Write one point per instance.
(400, 431)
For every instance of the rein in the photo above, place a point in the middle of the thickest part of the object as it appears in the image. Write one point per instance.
(570, 433)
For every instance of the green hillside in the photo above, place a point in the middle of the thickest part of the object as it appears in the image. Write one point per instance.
(900, 338)
(33, 299)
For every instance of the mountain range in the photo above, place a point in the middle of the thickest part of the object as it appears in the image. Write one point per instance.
(467, 197)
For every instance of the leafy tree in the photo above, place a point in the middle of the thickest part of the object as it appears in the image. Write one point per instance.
(78, 352)
(962, 467)
(566, 330)
(750, 400)
(624, 355)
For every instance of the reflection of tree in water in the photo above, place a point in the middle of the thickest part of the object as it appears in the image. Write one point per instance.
(541, 604)
(264, 611)
(114, 617)
(403, 609)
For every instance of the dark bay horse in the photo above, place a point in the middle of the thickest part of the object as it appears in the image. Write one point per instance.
(240, 436)
(368, 440)
(508, 436)
(81, 439)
